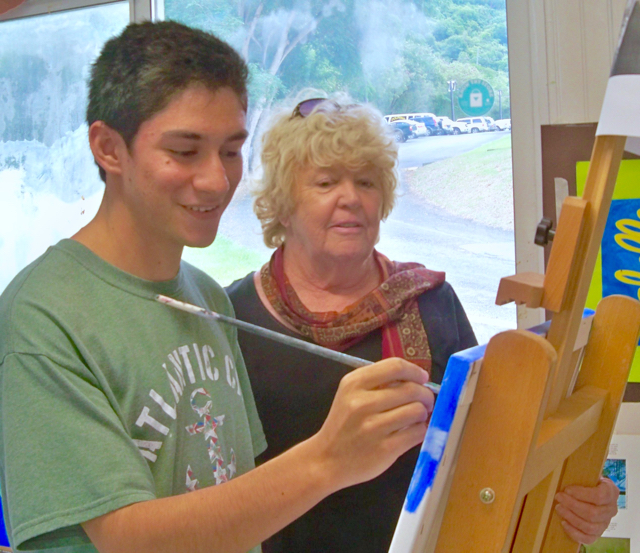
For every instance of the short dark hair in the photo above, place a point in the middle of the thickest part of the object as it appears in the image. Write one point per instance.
(140, 71)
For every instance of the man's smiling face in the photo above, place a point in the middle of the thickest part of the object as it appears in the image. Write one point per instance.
(183, 168)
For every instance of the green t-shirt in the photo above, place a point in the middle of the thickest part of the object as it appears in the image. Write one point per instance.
(108, 398)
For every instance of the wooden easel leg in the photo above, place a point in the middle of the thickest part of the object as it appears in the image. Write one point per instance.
(503, 423)
(533, 523)
(606, 365)
(537, 508)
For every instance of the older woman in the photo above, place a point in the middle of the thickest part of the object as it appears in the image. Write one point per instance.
(329, 180)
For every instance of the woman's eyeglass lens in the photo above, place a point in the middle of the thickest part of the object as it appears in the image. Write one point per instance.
(304, 108)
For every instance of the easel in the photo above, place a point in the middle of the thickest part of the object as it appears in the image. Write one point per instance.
(530, 432)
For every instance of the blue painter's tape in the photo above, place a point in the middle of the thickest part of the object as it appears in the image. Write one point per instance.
(4, 539)
(453, 383)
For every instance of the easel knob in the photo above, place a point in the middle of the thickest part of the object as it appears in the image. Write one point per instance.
(544, 232)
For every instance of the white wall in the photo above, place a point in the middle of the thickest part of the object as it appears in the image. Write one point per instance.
(560, 54)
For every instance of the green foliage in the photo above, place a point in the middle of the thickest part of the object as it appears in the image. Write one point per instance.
(212, 16)
(397, 54)
(262, 84)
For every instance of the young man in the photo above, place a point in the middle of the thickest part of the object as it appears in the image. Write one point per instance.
(113, 406)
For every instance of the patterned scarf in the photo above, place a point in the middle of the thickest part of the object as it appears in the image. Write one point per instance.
(393, 305)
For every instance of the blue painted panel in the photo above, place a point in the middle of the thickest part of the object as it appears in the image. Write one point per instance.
(620, 249)
(4, 539)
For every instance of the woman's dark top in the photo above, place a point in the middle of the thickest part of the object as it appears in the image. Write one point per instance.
(294, 390)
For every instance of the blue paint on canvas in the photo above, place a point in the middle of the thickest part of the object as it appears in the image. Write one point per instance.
(621, 249)
(4, 539)
(453, 383)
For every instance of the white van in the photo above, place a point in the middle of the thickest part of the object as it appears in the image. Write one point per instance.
(475, 124)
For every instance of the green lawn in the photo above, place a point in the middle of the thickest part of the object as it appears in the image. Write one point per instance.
(225, 260)
(477, 185)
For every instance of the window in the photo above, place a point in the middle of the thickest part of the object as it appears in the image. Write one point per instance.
(50, 184)
(455, 209)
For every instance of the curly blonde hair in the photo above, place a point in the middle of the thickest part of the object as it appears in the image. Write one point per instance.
(336, 134)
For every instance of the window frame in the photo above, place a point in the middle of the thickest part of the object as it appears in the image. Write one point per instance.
(139, 10)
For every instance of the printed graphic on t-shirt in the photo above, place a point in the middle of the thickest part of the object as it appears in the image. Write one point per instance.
(189, 366)
(207, 426)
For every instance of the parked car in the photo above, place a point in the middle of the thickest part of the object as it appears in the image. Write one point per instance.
(421, 128)
(403, 129)
(428, 119)
(452, 127)
(475, 124)
(503, 124)
(491, 124)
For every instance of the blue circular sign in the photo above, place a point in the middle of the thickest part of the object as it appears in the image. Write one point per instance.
(476, 97)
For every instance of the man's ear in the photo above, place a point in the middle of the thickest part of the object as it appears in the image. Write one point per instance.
(108, 147)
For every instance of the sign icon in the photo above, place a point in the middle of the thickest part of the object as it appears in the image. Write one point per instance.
(476, 97)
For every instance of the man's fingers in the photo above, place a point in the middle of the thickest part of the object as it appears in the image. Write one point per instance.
(384, 373)
(406, 438)
(587, 511)
(385, 399)
(594, 504)
(396, 419)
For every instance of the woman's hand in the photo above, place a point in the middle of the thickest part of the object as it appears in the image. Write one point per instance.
(587, 512)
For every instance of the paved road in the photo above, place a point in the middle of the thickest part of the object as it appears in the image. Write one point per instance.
(427, 149)
(474, 256)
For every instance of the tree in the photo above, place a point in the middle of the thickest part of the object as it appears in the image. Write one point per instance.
(396, 54)
(264, 32)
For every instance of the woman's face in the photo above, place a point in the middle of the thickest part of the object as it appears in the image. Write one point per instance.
(336, 215)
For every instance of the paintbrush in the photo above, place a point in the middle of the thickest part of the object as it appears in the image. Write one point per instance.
(343, 358)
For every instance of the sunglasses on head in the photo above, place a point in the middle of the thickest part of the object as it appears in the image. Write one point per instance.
(306, 107)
